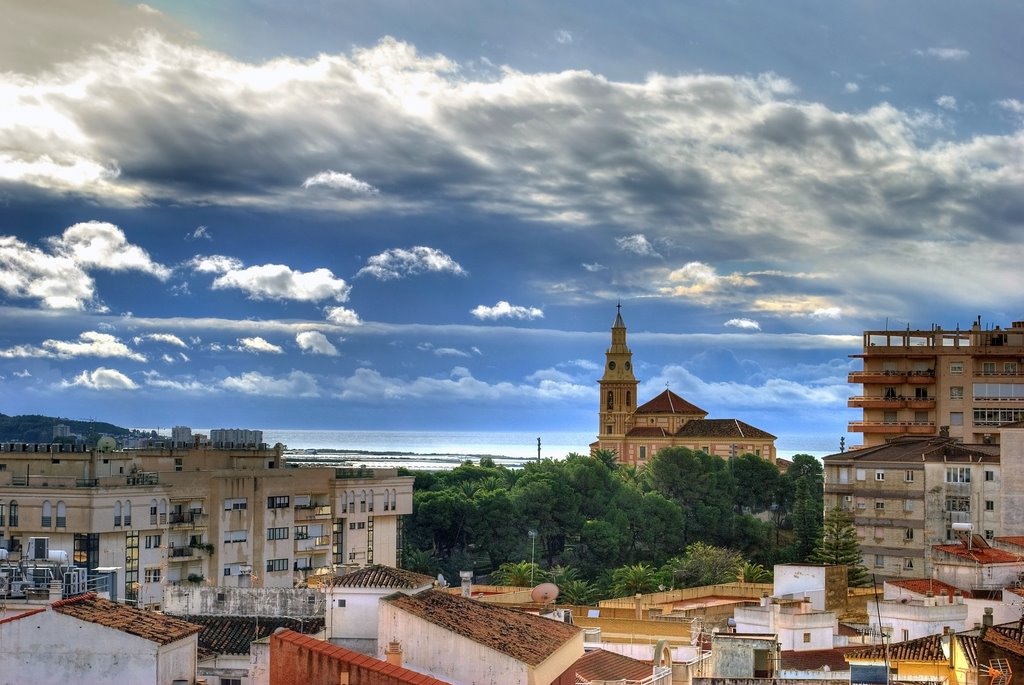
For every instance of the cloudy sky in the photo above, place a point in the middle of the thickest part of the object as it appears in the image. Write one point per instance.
(408, 215)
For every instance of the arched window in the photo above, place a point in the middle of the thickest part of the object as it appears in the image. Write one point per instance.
(163, 511)
(351, 501)
(387, 500)
(370, 501)
(611, 399)
(12, 511)
(128, 514)
(629, 399)
(62, 515)
(117, 513)
(47, 519)
(152, 512)
(394, 499)
(362, 501)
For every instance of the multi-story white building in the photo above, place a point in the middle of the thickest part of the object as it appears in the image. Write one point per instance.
(235, 437)
(228, 517)
(940, 382)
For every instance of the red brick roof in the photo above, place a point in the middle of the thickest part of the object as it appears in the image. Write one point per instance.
(601, 664)
(528, 638)
(928, 648)
(398, 673)
(669, 403)
(922, 586)
(981, 555)
(380, 576)
(919, 450)
(721, 428)
(149, 625)
(232, 634)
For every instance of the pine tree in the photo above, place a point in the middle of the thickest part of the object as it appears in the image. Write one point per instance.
(838, 545)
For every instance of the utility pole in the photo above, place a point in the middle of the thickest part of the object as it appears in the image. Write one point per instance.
(538, 449)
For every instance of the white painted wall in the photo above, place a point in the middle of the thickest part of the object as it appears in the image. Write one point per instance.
(920, 618)
(801, 580)
(50, 647)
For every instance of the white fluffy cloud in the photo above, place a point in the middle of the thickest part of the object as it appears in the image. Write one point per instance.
(258, 345)
(295, 384)
(745, 324)
(272, 281)
(59, 278)
(315, 342)
(339, 181)
(637, 244)
(459, 385)
(165, 338)
(505, 310)
(399, 263)
(343, 316)
(946, 54)
(89, 344)
(102, 379)
(946, 102)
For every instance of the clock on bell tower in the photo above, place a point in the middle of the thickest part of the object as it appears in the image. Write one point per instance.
(618, 384)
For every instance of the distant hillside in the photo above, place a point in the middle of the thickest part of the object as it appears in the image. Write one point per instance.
(36, 428)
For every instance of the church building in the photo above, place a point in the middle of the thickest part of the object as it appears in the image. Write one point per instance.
(635, 433)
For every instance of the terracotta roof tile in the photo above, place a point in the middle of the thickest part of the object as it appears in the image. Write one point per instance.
(922, 586)
(927, 648)
(385, 577)
(980, 555)
(232, 634)
(815, 659)
(399, 673)
(150, 625)
(722, 428)
(1005, 637)
(647, 432)
(1014, 540)
(601, 664)
(919, 450)
(526, 637)
(670, 403)
(969, 645)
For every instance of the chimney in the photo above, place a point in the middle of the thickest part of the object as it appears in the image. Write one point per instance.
(638, 602)
(986, 618)
(393, 653)
(467, 583)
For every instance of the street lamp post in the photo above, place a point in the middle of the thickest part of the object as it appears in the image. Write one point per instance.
(533, 550)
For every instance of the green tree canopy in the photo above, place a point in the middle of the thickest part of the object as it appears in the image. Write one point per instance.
(838, 545)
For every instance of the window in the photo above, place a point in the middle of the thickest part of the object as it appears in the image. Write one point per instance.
(227, 570)
(369, 501)
(962, 504)
(387, 498)
(807, 638)
(1010, 368)
(956, 418)
(705, 449)
(990, 505)
(610, 400)
(362, 501)
(278, 502)
(958, 474)
(989, 534)
(301, 532)
(879, 560)
(920, 417)
(277, 565)
(128, 514)
(990, 475)
(277, 533)
(178, 463)
(352, 526)
(13, 514)
(62, 515)
(861, 474)
(921, 393)
(152, 512)
(230, 681)
(47, 517)
(890, 392)
(908, 563)
(117, 513)
(908, 534)
(235, 536)
(153, 541)
(956, 392)
(956, 368)
(908, 476)
(361, 525)
(879, 475)
(341, 603)
(163, 512)
(235, 504)
(889, 417)
(908, 505)
(988, 368)
(608, 429)
(879, 505)
(643, 452)
(906, 636)
(152, 575)
(2, 513)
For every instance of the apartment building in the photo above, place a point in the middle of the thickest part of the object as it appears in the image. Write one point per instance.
(912, 493)
(940, 382)
(225, 517)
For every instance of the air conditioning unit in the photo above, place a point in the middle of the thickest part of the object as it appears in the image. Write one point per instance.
(987, 439)
(848, 498)
(245, 570)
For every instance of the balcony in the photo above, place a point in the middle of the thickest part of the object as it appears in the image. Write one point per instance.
(876, 377)
(187, 519)
(895, 428)
(180, 553)
(321, 542)
(312, 512)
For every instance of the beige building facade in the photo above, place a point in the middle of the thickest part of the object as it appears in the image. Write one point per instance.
(224, 517)
(635, 433)
(939, 382)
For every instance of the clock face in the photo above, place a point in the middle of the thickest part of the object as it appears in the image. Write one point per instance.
(627, 366)
(611, 365)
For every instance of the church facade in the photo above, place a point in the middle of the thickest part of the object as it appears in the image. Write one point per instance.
(636, 433)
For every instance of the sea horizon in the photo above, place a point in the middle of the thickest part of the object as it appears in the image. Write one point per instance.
(514, 446)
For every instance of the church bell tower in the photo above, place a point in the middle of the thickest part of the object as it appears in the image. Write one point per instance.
(618, 384)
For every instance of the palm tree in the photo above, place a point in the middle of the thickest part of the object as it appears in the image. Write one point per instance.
(577, 592)
(634, 579)
(562, 574)
(517, 574)
(753, 573)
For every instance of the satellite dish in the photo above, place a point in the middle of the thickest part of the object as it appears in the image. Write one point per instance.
(544, 593)
(106, 444)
